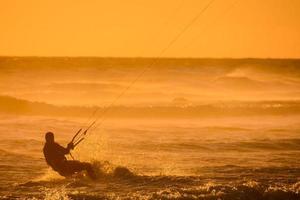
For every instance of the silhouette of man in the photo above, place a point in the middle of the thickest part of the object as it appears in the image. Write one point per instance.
(55, 158)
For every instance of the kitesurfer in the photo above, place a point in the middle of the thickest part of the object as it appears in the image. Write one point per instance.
(55, 158)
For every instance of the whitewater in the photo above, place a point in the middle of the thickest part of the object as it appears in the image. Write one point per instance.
(225, 158)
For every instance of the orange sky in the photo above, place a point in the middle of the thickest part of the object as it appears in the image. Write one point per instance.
(229, 28)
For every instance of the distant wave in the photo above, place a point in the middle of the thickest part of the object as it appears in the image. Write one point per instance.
(93, 86)
(281, 145)
(10, 105)
(224, 128)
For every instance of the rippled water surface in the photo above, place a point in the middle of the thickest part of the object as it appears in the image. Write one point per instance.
(223, 158)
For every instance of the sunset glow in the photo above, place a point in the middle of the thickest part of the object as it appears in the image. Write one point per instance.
(150, 99)
(229, 28)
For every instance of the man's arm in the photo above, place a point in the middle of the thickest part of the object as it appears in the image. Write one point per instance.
(63, 150)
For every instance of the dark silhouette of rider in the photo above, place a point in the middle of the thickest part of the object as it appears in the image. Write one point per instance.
(55, 158)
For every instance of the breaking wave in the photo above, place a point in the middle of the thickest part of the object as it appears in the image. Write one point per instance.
(116, 182)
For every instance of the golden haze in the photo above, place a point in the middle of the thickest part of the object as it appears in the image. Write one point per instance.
(229, 28)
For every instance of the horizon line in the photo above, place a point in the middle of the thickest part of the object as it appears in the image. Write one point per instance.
(149, 57)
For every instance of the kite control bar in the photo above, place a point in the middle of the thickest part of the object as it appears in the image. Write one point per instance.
(77, 139)
(72, 141)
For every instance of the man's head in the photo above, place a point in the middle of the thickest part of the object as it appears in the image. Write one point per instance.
(49, 137)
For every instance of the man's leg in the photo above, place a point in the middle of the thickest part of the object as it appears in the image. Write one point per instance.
(73, 166)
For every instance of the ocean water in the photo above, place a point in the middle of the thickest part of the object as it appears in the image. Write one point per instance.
(255, 157)
(210, 129)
